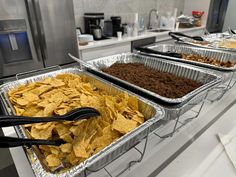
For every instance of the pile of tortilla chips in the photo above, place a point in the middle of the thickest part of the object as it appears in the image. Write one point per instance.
(65, 92)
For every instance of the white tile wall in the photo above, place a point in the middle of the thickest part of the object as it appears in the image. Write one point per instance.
(124, 8)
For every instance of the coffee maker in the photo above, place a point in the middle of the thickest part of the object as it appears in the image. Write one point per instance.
(116, 25)
(92, 24)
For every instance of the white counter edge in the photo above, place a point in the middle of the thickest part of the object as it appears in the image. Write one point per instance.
(114, 40)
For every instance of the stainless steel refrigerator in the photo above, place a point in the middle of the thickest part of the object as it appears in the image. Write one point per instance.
(216, 15)
(35, 34)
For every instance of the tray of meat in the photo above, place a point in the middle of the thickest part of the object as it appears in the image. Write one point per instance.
(165, 82)
(213, 59)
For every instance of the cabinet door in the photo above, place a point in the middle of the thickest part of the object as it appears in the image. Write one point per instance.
(93, 53)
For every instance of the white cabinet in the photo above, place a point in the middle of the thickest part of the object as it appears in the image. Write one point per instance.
(96, 52)
(110, 48)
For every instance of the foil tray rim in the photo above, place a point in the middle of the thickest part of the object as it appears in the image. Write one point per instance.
(188, 96)
(218, 68)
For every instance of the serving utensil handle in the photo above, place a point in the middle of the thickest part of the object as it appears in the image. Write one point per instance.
(8, 142)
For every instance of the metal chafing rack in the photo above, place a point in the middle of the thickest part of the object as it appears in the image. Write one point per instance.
(153, 112)
(174, 108)
(218, 55)
(208, 79)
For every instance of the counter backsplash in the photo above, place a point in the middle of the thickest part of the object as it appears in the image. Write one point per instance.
(124, 8)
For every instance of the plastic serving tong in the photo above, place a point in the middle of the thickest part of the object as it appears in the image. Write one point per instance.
(5, 121)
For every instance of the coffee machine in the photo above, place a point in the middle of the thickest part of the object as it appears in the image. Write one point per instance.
(92, 24)
(116, 25)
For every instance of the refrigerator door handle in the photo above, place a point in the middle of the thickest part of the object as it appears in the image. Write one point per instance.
(40, 28)
(34, 29)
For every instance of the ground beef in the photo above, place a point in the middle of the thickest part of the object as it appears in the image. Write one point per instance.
(162, 83)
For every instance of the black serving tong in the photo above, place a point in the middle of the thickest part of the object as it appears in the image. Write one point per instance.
(8, 142)
(175, 34)
(74, 115)
(231, 31)
(151, 51)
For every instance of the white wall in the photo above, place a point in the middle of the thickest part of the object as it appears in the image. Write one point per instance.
(124, 8)
(230, 20)
(198, 5)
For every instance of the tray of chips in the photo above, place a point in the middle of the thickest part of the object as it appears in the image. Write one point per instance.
(213, 59)
(125, 120)
(206, 78)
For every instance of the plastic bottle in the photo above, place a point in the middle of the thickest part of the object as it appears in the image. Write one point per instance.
(136, 25)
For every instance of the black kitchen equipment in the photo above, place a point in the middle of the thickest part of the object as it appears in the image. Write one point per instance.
(151, 51)
(10, 120)
(116, 25)
(7, 142)
(231, 31)
(91, 21)
(108, 28)
(76, 114)
(175, 34)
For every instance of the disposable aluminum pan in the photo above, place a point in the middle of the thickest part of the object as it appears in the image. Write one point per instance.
(208, 79)
(213, 43)
(218, 55)
(151, 111)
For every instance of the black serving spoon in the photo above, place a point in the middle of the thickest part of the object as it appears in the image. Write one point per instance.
(76, 114)
(151, 51)
(175, 34)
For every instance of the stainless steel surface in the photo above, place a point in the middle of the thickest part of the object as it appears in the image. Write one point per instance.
(8, 26)
(150, 15)
(13, 42)
(34, 28)
(216, 15)
(57, 28)
(14, 12)
(207, 78)
(50, 29)
(218, 55)
(97, 32)
(40, 29)
(150, 110)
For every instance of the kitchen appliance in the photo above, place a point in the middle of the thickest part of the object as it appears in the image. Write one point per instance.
(216, 15)
(108, 28)
(92, 23)
(116, 25)
(35, 34)
(96, 32)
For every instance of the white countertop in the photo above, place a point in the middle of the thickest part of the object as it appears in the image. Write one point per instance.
(193, 151)
(144, 35)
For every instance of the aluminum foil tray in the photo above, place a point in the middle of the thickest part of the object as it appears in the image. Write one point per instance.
(213, 42)
(208, 78)
(218, 55)
(150, 110)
